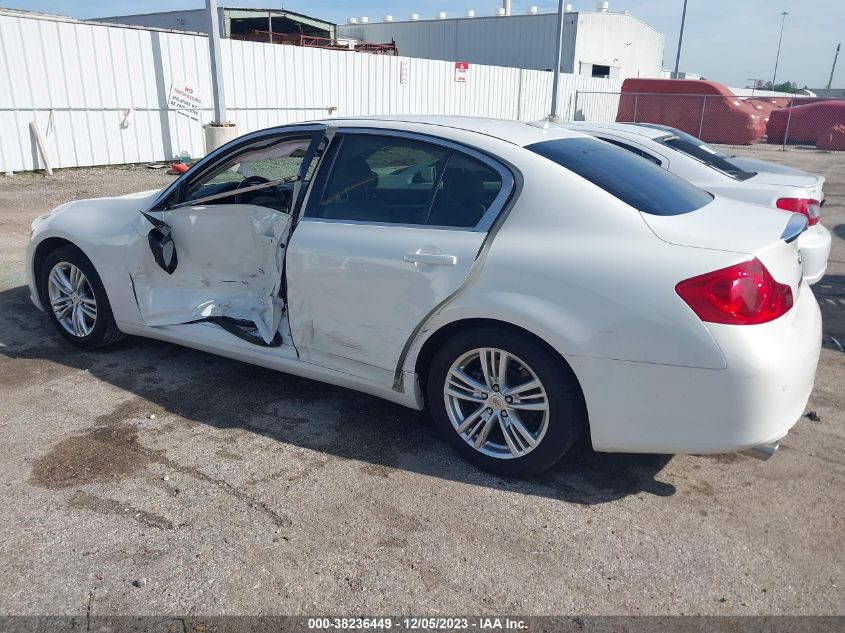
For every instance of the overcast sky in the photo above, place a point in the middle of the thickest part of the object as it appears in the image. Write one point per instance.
(725, 40)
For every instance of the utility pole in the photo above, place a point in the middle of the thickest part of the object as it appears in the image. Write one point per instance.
(554, 115)
(220, 131)
(217, 89)
(835, 57)
(777, 58)
(680, 41)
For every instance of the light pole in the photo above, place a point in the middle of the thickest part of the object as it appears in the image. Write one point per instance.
(220, 131)
(780, 39)
(833, 68)
(680, 41)
(554, 115)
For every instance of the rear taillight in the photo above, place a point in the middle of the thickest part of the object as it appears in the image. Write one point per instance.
(805, 206)
(743, 294)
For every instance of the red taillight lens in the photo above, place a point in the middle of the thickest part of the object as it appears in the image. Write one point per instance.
(805, 206)
(743, 294)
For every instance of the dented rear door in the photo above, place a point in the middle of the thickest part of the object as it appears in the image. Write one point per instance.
(388, 235)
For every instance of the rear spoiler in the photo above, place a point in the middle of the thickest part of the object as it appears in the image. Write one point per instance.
(796, 226)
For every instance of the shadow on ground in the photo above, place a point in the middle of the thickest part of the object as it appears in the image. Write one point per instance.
(223, 393)
(830, 293)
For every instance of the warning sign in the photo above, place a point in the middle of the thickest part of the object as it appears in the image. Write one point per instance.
(461, 71)
(185, 100)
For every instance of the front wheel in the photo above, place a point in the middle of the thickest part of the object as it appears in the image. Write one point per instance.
(505, 401)
(75, 299)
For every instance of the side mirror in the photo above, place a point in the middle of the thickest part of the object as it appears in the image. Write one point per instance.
(163, 249)
(161, 244)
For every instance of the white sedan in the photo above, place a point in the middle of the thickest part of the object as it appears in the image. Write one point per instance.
(745, 179)
(525, 284)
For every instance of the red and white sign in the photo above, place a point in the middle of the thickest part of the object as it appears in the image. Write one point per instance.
(461, 71)
(185, 100)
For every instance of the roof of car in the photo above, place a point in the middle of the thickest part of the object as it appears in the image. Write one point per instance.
(516, 132)
(648, 131)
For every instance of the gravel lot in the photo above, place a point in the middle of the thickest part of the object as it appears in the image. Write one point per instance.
(231, 489)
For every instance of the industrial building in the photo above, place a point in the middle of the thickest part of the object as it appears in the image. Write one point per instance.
(599, 43)
(270, 25)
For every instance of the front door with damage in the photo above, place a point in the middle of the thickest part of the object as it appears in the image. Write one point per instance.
(216, 250)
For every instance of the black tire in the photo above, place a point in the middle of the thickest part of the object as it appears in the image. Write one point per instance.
(105, 330)
(567, 417)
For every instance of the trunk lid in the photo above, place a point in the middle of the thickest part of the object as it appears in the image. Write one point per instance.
(812, 183)
(739, 227)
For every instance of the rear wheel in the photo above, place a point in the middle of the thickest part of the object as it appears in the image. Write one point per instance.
(75, 299)
(505, 401)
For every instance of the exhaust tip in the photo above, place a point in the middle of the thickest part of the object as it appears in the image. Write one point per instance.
(762, 452)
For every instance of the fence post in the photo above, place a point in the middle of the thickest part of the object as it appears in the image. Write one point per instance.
(788, 119)
(701, 122)
(636, 101)
(575, 109)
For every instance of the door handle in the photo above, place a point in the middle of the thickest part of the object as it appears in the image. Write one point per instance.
(430, 258)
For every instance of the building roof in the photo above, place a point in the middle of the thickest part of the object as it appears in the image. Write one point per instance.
(247, 12)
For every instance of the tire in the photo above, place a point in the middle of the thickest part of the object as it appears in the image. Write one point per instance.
(89, 332)
(505, 450)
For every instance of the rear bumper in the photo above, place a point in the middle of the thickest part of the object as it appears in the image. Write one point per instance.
(755, 401)
(814, 245)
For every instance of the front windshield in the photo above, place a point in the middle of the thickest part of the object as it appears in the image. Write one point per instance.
(698, 149)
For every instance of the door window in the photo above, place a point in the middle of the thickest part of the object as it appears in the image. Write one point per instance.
(405, 181)
(263, 163)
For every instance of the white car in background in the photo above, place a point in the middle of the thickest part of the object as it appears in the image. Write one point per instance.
(523, 284)
(750, 180)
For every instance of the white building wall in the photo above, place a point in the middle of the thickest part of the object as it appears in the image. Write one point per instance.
(618, 40)
(99, 93)
(187, 20)
(527, 41)
(520, 41)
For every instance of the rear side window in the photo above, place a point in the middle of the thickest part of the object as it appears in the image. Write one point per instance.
(397, 180)
(637, 182)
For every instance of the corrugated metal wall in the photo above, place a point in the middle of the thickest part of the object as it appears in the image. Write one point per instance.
(524, 41)
(99, 93)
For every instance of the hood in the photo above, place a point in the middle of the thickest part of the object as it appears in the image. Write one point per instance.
(724, 224)
(130, 202)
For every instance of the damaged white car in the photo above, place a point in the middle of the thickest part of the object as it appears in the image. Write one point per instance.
(525, 284)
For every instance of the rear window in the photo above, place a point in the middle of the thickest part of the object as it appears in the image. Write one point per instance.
(637, 182)
(698, 149)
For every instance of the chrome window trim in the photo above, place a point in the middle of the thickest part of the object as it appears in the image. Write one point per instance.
(486, 221)
(210, 160)
(405, 225)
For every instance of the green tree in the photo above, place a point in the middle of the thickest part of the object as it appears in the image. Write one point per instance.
(787, 86)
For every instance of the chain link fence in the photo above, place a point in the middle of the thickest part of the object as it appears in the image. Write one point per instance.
(794, 121)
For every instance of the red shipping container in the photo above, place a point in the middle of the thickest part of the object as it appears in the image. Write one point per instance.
(832, 139)
(806, 122)
(705, 109)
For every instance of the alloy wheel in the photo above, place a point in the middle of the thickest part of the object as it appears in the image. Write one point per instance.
(72, 299)
(496, 403)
